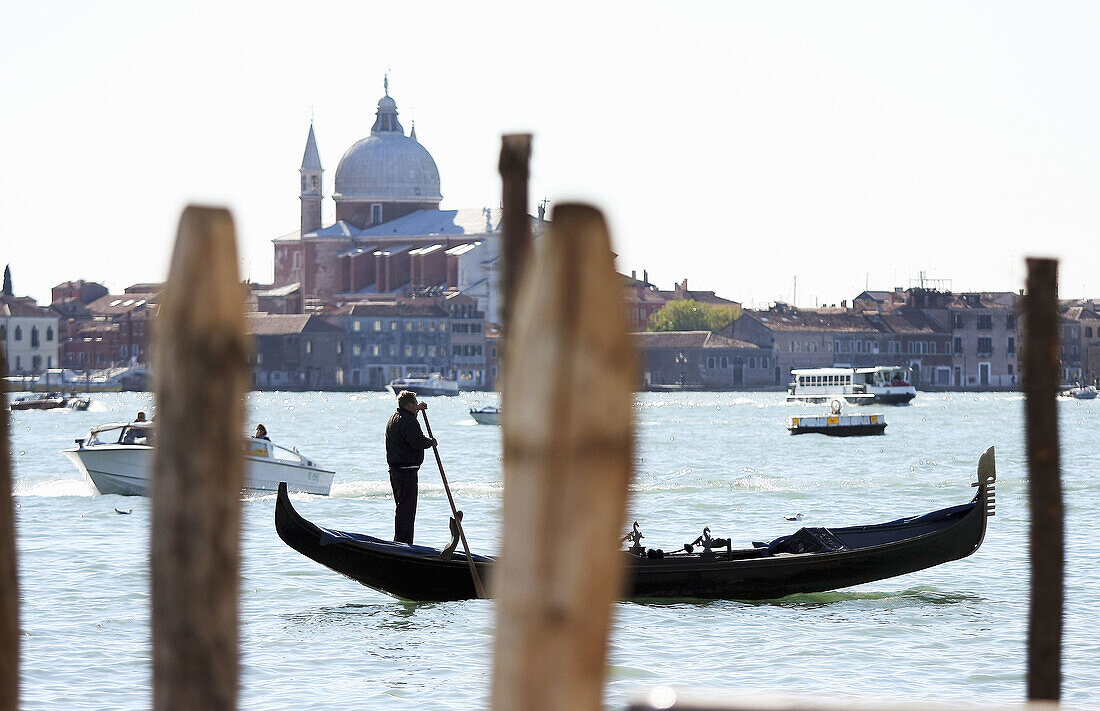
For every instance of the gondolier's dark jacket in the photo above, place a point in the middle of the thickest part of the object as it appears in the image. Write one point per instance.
(405, 441)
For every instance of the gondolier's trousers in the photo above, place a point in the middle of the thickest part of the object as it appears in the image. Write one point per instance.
(403, 480)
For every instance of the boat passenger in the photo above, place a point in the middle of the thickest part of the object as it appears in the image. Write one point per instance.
(135, 435)
(261, 433)
(405, 445)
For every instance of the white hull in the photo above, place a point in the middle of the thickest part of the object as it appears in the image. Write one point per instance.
(124, 469)
(485, 418)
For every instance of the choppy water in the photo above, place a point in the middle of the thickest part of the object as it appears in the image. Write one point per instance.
(314, 639)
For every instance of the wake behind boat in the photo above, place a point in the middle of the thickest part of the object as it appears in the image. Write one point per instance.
(118, 457)
(807, 561)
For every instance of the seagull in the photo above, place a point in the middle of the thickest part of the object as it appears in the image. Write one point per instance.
(796, 517)
(123, 513)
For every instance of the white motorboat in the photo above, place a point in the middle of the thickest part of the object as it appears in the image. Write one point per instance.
(424, 385)
(118, 458)
(1086, 392)
(488, 415)
(880, 385)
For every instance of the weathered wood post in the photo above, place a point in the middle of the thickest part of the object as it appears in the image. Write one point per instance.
(1041, 366)
(568, 436)
(9, 579)
(198, 470)
(515, 159)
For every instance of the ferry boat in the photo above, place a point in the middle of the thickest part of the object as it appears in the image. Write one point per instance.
(837, 424)
(117, 458)
(879, 385)
(424, 385)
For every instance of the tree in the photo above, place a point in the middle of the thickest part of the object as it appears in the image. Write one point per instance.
(7, 281)
(689, 315)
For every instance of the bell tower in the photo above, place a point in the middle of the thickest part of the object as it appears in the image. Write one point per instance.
(312, 185)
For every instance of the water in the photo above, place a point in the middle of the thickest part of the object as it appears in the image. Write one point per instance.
(311, 638)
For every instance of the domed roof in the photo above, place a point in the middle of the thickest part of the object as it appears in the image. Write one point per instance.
(387, 165)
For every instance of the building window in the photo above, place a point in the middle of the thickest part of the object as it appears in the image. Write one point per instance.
(431, 351)
(309, 347)
(420, 350)
(764, 363)
(376, 214)
(408, 350)
(339, 347)
(408, 325)
(419, 325)
(431, 325)
(34, 336)
(339, 376)
(19, 333)
(393, 325)
(710, 362)
(1088, 332)
(1010, 322)
(837, 347)
(443, 351)
(985, 322)
(374, 350)
(958, 345)
(393, 349)
(752, 361)
(355, 325)
(356, 349)
(377, 325)
(985, 345)
(894, 347)
(957, 320)
(1011, 344)
(932, 347)
(49, 333)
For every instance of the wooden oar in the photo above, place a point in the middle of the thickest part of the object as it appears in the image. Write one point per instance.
(454, 511)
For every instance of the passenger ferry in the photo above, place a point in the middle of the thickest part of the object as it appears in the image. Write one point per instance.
(882, 385)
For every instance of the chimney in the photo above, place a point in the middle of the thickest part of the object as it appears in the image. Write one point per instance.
(844, 304)
(645, 275)
(634, 274)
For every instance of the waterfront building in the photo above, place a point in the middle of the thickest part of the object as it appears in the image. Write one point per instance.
(701, 360)
(467, 327)
(1085, 314)
(296, 352)
(29, 332)
(112, 331)
(389, 340)
(984, 337)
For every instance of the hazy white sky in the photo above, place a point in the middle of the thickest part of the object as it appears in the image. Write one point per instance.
(739, 145)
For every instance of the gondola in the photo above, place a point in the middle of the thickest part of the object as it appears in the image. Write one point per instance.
(807, 561)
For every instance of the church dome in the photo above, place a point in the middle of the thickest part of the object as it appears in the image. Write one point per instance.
(387, 165)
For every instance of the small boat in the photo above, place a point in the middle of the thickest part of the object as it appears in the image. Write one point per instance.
(488, 415)
(837, 424)
(807, 561)
(118, 457)
(878, 385)
(424, 385)
(1086, 392)
(38, 401)
(50, 401)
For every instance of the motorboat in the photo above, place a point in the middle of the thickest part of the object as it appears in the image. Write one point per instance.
(810, 560)
(50, 401)
(878, 385)
(117, 458)
(424, 385)
(488, 415)
(835, 423)
(1086, 392)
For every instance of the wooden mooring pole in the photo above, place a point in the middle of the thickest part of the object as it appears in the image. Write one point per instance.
(568, 427)
(198, 469)
(1041, 377)
(9, 581)
(515, 159)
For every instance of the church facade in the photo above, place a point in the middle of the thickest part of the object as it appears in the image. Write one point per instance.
(390, 240)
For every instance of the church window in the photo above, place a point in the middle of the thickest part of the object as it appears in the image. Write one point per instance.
(313, 183)
(355, 325)
(19, 333)
(375, 214)
(303, 183)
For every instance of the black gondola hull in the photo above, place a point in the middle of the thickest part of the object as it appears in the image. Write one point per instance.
(859, 554)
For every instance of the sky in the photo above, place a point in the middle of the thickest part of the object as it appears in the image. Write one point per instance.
(764, 150)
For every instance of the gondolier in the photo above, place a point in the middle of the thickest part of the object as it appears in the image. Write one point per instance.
(405, 445)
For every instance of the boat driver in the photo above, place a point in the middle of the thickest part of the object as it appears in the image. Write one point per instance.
(405, 445)
(136, 435)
